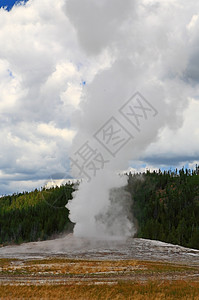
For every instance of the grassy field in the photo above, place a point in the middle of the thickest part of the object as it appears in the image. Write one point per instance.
(59, 278)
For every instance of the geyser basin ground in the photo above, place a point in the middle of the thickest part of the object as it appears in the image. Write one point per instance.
(78, 268)
(70, 246)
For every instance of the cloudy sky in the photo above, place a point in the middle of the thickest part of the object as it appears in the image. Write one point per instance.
(52, 54)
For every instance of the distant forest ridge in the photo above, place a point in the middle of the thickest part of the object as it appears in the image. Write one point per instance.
(165, 205)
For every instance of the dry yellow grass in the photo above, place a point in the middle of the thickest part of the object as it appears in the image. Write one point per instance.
(81, 267)
(94, 279)
(121, 290)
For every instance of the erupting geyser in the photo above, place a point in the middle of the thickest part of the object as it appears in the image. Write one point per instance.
(124, 51)
(100, 210)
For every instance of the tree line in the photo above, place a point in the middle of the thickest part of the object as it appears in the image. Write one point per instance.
(165, 206)
(36, 215)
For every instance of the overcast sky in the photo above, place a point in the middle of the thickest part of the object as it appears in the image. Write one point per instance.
(50, 53)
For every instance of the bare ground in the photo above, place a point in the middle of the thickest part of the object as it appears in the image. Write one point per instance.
(129, 260)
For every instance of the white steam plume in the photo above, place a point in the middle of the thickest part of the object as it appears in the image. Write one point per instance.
(144, 49)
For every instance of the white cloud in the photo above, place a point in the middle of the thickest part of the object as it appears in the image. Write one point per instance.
(180, 145)
(38, 62)
(49, 48)
(51, 131)
(193, 22)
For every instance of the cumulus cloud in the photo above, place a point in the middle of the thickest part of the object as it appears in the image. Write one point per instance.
(178, 147)
(40, 87)
(151, 50)
(50, 49)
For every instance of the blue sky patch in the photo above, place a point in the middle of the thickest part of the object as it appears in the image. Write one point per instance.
(10, 73)
(8, 4)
